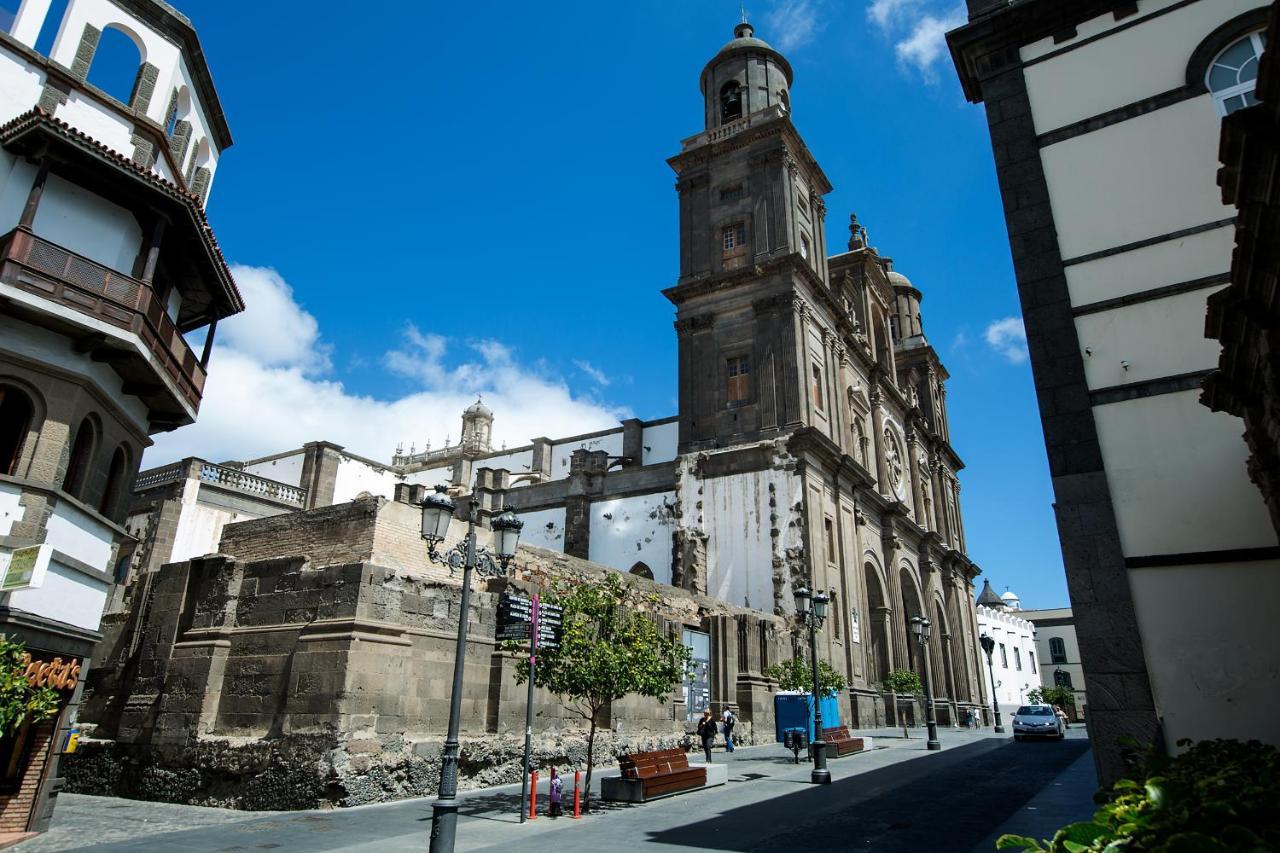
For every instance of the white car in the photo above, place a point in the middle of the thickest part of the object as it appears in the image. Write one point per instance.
(1037, 721)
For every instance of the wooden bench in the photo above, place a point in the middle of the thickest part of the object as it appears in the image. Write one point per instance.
(662, 772)
(840, 742)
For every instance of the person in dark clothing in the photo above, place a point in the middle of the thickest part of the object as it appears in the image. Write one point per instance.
(707, 732)
(557, 787)
(729, 722)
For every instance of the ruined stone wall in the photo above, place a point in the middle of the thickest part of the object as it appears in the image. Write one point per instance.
(283, 681)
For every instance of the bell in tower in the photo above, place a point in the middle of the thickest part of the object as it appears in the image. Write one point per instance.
(745, 77)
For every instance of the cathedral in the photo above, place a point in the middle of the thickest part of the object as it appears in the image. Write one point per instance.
(811, 449)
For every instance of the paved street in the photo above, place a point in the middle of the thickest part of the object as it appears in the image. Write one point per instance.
(897, 797)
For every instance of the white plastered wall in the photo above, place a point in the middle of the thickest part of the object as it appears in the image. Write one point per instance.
(1187, 258)
(625, 531)
(88, 225)
(1147, 340)
(1177, 477)
(282, 469)
(1211, 678)
(660, 443)
(1113, 187)
(1013, 632)
(610, 443)
(543, 528)
(68, 594)
(1083, 82)
(355, 476)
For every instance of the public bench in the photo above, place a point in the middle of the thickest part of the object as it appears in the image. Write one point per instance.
(649, 775)
(840, 742)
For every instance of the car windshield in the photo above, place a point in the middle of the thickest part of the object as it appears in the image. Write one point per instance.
(1035, 711)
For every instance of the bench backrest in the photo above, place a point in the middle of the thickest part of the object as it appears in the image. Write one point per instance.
(645, 765)
(839, 732)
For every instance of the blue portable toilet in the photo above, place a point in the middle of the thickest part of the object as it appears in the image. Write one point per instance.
(795, 711)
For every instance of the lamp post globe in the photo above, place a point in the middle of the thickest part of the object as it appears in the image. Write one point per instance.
(437, 512)
(989, 646)
(803, 598)
(506, 534)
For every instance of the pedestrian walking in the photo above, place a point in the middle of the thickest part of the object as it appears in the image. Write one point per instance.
(707, 732)
(1062, 715)
(971, 719)
(557, 787)
(729, 721)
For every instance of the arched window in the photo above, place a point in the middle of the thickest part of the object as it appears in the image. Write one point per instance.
(113, 493)
(1057, 650)
(16, 412)
(730, 101)
(116, 64)
(1062, 678)
(1233, 74)
(642, 570)
(81, 458)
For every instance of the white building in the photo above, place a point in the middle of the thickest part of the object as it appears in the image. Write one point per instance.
(1015, 662)
(1059, 652)
(1105, 118)
(107, 267)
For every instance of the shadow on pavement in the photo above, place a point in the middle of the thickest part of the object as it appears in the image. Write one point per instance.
(948, 801)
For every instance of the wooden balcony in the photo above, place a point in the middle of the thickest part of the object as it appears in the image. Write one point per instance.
(37, 266)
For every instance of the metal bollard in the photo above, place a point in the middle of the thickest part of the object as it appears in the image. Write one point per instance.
(577, 774)
(533, 797)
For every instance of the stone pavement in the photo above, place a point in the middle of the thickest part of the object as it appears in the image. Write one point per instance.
(898, 797)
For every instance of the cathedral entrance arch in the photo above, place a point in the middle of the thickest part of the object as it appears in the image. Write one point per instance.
(911, 606)
(878, 649)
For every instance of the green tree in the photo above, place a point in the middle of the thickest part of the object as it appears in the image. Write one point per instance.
(610, 648)
(900, 682)
(18, 699)
(796, 674)
(1064, 697)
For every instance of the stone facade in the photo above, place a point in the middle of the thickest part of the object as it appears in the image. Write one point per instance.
(314, 667)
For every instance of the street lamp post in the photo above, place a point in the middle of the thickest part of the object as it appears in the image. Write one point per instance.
(437, 512)
(989, 646)
(923, 629)
(813, 617)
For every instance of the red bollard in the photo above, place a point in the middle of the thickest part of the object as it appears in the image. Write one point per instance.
(577, 774)
(533, 797)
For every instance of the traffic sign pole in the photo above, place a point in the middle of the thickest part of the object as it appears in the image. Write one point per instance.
(528, 706)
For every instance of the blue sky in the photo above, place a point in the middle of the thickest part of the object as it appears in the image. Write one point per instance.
(444, 199)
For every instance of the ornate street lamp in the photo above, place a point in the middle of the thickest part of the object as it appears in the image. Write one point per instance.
(923, 629)
(812, 610)
(989, 646)
(437, 512)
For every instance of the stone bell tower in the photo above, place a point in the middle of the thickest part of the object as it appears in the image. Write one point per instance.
(752, 241)
(477, 428)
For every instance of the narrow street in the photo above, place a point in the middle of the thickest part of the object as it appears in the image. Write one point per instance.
(896, 797)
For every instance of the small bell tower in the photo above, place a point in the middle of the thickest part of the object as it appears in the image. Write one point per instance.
(477, 428)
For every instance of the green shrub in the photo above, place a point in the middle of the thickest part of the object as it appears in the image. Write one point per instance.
(1220, 796)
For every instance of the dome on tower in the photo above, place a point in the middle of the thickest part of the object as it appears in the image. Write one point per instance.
(744, 77)
(478, 408)
(1010, 599)
(897, 279)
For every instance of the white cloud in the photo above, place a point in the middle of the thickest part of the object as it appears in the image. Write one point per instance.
(919, 29)
(792, 24)
(270, 389)
(927, 41)
(887, 13)
(1009, 338)
(596, 374)
(276, 331)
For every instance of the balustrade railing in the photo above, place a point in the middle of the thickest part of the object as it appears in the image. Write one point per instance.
(235, 478)
(158, 476)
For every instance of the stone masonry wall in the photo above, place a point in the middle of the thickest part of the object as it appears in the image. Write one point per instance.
(309, 673)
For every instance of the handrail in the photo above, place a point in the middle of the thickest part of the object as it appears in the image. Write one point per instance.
(235, 478)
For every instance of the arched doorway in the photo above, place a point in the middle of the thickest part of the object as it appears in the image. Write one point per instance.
(911, 606)
(878, 647)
